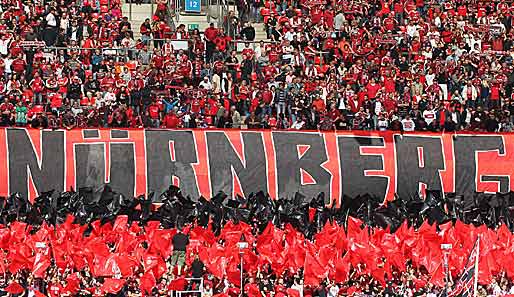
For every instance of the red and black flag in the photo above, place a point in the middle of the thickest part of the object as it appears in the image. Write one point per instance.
(467, 283)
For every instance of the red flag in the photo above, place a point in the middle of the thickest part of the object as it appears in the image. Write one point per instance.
(41, 264)
(161, 242)
(326, 256)
(5, 236)
(327, 236)
(104, 266)
(342, 268)
(437, 277)
(73, 284)
(68, 223)
(234, 274)
(178, 284)
(292, 293)
(112, 285)
(120, 224)
(252, 290)
(312, 213)
(353, 226)
(147, 283)
(160, 268)
(126, 264)
(313, 270)
(14, 288)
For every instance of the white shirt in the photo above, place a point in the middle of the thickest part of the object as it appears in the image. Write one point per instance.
(408, 125)
(298, 288)
(429, 116)
(216, 79)
(412, 30)
(430, 79)
(382, 125)
(378, 107)
(76, 111)
(205, 84)
(298, 125)
(109, 98)
(333, 291)
(50, 20)
(4, 46)
(8, 62)
(289, 35)
(64, 24)
(342, 104)
(258, 52)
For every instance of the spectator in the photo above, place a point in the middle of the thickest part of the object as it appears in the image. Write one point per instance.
(180, 241)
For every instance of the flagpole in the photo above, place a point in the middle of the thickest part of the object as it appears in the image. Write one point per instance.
(475, 285)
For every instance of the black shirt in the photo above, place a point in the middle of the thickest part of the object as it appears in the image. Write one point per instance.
(180, 242)
(197, 268)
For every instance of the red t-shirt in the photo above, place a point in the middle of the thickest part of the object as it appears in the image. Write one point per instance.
(171, 121)
(18, 65)
(372, 90)
(266, 96)
(389, 84)
(154, 111)
(211, 33)
(495, 92)
(195, 106)
(56, 101)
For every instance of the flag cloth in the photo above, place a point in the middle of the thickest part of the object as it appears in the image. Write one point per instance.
(112, 285)
(14, 288)
(466, 285)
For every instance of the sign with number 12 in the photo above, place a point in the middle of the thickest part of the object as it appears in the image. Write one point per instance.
(193, 6)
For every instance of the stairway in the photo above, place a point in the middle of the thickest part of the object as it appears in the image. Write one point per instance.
(137, 15)
(260, 32)
(194, 19)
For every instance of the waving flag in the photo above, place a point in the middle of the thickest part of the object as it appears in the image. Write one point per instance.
(467, 283)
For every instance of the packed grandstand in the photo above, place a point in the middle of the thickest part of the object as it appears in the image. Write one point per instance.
(400, 65)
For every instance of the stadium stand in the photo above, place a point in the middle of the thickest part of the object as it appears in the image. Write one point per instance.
(374, 66)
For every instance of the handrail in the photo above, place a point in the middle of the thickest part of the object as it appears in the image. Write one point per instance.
(199, 290)
(171, 13)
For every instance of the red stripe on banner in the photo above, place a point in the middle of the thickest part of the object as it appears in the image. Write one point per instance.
(236, 139)
(333, 166)
(389, 170)
(106, 135)
(448, 175)
(202, 168)
(271, 164)
(138, 137)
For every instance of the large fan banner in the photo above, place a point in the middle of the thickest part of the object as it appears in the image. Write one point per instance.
(239, 162)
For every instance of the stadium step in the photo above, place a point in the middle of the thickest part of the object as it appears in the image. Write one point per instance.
(193, 20)
(260, 32)
(137, 15)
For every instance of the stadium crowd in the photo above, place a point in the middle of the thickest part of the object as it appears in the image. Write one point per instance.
(118, 260)
(373, 65)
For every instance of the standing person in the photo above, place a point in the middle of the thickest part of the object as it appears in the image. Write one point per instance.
(180, 242)
(197, 272)
(280, 99)
(210, 35)
(21, 114)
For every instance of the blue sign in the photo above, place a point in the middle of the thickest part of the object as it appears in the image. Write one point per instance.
(193, 6)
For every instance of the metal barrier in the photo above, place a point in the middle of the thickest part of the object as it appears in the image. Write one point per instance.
(199, 291)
